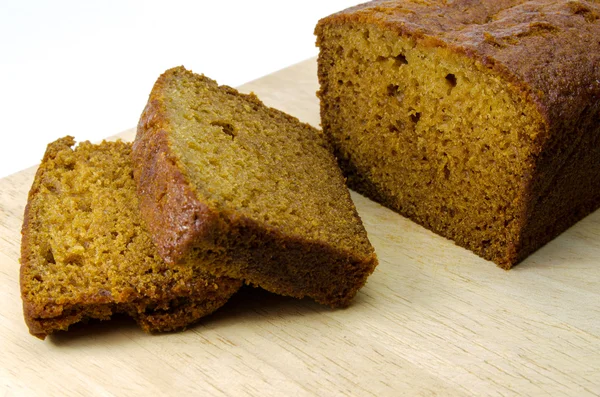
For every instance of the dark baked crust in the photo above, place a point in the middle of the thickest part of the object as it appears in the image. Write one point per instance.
(549, 52)
(231, 244)
(158, 303)
(529, 43)
(174, 215)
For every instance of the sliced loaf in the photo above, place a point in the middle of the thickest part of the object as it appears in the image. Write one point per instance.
(476, 119)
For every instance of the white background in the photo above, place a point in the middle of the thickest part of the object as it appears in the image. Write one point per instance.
(85, 68)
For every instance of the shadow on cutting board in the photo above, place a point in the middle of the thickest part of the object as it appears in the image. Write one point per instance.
(249, 304)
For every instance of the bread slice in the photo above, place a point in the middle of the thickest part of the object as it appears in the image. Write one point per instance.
(249, 191)
(478, 120)
(85, 252)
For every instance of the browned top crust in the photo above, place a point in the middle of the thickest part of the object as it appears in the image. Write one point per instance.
(549, 49)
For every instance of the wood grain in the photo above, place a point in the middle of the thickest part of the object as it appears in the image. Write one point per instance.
(434, 319)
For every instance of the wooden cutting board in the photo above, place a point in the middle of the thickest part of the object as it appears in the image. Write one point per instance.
(434, 319)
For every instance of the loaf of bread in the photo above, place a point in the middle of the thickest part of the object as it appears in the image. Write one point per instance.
(247, 190)
(86, 254)
(477, 119)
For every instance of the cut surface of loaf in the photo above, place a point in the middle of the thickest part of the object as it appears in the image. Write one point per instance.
(478, 120)
(86, 254)
(249, 191)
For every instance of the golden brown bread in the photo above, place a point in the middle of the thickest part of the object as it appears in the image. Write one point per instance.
(476, 119)
(248, 190)
(86, 254)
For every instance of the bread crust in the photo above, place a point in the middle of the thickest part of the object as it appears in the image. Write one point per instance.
(528, 43)
(228, 243)
(175, 217)
(546, 51)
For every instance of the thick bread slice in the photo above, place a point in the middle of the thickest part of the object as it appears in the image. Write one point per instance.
(251, 192)
(86, 254)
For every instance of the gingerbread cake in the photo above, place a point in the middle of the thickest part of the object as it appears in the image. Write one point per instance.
(86, 254)
(248, 191)
(477, 119)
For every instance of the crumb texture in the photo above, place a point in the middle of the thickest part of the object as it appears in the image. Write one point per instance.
(87, 254)
(478, 120)
(244, 157)
(271, 204)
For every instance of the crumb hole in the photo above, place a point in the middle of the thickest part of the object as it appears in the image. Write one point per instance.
(227, 128)
(49, 256)
(451, 80)
(400, 60)
(392, 89)
(415, 117)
